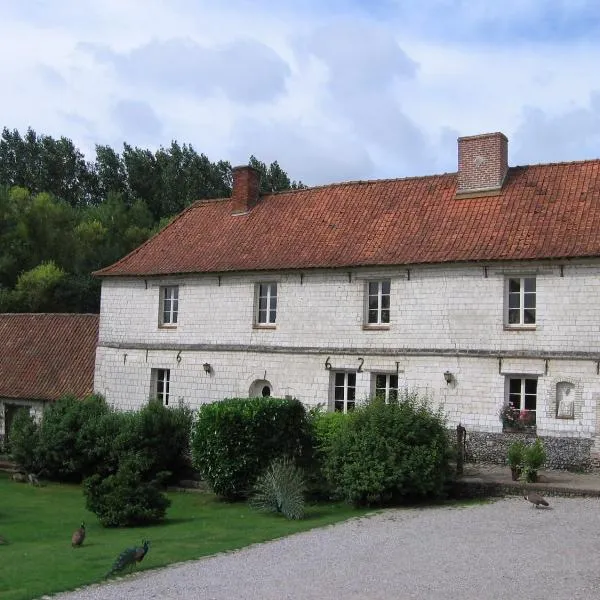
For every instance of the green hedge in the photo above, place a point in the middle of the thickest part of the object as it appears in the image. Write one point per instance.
(389, 453)
(234, 441)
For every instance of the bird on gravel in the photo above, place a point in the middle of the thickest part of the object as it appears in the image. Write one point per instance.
(536, 499)
(78, 536)
(129, 557)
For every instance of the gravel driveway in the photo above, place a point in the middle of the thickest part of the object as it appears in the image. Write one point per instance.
(506, 549)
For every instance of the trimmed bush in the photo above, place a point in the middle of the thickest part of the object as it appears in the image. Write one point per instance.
(534, 457)
(280, 489)
(125, 499)
(234, 440)
(24, 441)
(390, 453)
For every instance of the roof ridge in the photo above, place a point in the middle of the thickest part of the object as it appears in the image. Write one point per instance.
(558, 163)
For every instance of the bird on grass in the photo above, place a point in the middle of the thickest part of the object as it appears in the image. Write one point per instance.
(535, 499)
(3, 541)
(78, 536)
(129, 558)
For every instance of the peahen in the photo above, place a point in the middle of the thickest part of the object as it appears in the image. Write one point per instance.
(129, 558)
(536, 499)
(78, 536)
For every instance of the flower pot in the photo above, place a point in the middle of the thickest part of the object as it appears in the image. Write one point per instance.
(515, 473)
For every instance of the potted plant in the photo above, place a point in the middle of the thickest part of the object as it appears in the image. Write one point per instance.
(515, 459)
(534, 457)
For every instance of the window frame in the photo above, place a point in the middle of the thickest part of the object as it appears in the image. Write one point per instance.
(270, 321)
(522, 308)
(173, 312)
(523, 395)
(388, 388)
(379, 295)
(159, 379)
(346, 387)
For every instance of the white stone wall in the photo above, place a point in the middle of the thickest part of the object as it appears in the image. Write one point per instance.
(442, 318)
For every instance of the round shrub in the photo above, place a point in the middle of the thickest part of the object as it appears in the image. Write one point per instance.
(125, 499)
(234, 440)
(24, 441)
(389, 453)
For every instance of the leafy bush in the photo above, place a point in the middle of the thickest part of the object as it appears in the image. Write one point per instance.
(390, 453)
(24, 441)
(533, 459)
(234, 440)
(280, 489)
(516, 453)
(125, 499)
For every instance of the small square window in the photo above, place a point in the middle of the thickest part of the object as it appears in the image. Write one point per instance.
(160, 382)
(378, 302)
(521, 302)
(266, 304)
(169, 305)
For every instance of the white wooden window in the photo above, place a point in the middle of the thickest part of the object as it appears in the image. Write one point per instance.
(522, 396)
(385, 386)
(521, 302)
(160, 384)
(266, 304)
(169, 305)
(378, 302)
(344, 391)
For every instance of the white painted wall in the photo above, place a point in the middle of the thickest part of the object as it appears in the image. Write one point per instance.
(437, 312)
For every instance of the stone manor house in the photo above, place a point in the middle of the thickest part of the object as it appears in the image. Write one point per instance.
(480, 288)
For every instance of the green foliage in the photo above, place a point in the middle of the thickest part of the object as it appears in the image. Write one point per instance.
(125, 499)
(533, 459)
(388, 453)
(234, 440)
(280, 489)
(35, 289)
(24, 441)
(516, 453)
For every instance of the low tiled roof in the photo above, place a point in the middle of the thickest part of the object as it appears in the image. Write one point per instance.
(542, 211)
(45, 356)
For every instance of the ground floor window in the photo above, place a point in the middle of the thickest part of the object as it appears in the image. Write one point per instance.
(344, 391)
(385, 385)
(522, 399)
(160, 384)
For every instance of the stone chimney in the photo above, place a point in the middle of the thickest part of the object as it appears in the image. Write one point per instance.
(246, 186)
(482, 164)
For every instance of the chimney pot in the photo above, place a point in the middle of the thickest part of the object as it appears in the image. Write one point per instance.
(482, 163)
(246, 188)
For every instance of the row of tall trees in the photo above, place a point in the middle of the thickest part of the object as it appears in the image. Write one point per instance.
(62, 217)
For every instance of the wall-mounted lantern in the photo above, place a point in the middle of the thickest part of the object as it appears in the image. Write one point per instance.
(448, 377)
(207, 368)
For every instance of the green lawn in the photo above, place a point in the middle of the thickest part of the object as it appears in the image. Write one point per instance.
(39, 521)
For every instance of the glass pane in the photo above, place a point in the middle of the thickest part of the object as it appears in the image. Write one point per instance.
(513, 316)
(373, 303)
(530, 402)
(514, 386)
(393, 395)
(262, 316)
(272, 315)
(351, 379)
(373, 288)
(373, 316)
(531, 386)
(262, 304)
(338, 393)
(274, 289)
(385, 316)
(514, 285)
(174, 318)
(515, 400)
(385, 301)
(380, 381)
(338, 406)
(262, 289)
(166, 317)
(351, 393)
(529, 284)
(385, 287)
(529, 301)
(529, 316)
(514, 301)
(340, 378)
(394, 381)
(350, 406)
(273, 303)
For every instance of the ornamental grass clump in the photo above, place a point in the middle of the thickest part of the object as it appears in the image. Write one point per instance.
(280, 489)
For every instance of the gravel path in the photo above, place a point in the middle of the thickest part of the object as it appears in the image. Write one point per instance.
(506, 549)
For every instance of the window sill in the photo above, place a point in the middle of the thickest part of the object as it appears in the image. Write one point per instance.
(167, 327)
(520, 327)
(375, 327)
(259, 326)
(525, 430)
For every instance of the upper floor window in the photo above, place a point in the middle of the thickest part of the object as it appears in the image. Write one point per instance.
(386, 386)
(160, 384)
(521, 301)
(169, 305)
(378, 302)
(266, 305)
(344, 391)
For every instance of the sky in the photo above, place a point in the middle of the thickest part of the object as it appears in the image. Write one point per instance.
(334, 90)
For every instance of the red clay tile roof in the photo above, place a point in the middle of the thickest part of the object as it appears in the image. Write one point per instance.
(45, 356)
(543, 211)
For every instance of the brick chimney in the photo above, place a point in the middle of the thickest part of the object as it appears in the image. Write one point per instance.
(482, 163)
(246, 185)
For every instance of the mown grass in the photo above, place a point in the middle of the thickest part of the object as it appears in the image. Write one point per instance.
(38, 523)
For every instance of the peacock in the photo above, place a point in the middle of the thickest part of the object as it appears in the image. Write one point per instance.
(535, 499)
(129, 558)
(3, 541)
(78, 536)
